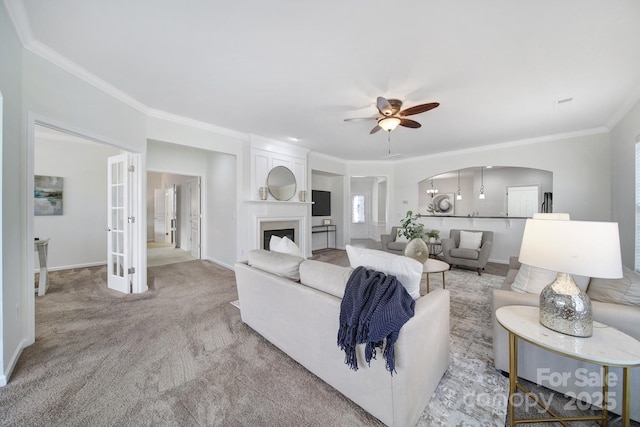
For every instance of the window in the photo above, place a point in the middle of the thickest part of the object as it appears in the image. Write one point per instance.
(357, 208)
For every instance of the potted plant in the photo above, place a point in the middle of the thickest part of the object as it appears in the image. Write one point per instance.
(414, 231)
(410, 227)
(433, 235)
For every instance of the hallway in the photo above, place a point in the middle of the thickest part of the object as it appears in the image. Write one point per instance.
(165, 253)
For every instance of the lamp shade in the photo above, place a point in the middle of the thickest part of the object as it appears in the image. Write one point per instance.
(389, 123)
(576, 247)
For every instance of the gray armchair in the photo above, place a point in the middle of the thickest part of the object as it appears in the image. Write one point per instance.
(389, 243)
(454, 255)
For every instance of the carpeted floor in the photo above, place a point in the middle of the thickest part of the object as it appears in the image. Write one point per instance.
(165, 253)
(180, 355)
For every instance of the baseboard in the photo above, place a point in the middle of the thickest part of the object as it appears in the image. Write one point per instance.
(4, 378)
(221, 264)
(71, 267)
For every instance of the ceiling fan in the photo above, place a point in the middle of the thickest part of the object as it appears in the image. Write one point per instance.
(392, 116)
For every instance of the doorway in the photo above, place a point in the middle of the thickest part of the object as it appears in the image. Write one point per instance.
(368, 208)
(173, 218)
(78, 232)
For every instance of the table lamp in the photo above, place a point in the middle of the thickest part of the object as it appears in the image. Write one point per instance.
(583, 248)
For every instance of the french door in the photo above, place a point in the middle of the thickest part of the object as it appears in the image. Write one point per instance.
(193, 194)
(119, 239)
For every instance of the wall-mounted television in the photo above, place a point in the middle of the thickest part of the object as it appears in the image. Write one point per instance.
(321, 203)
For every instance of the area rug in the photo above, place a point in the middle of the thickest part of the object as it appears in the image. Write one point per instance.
(472, 392)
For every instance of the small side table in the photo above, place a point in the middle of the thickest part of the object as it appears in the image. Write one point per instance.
(434, 266)
(42, 246)
(435, 248)
(607, 347)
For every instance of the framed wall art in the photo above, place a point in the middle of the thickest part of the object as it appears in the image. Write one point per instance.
(48, 195)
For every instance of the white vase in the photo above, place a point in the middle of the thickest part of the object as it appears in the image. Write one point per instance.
(417, 249)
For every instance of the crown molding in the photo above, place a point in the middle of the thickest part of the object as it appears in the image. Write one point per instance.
(263, 143)
(163, 115)
(327, 157)
(630, 102)
(55, 58)
(518, 143)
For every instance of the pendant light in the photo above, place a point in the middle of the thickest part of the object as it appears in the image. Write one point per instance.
(459, 195)
(481, 196)
(432, 191)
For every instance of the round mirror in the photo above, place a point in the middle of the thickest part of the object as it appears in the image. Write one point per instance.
(281, 183)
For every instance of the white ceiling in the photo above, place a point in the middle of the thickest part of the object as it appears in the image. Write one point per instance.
(285, 69)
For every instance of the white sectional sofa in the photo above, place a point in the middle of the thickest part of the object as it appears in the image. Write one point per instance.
(614, 303)
(301, 317)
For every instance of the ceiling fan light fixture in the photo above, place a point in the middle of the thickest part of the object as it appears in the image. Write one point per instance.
(389, 123)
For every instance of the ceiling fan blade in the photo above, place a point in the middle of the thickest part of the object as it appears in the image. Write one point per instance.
(418, 109)
(408, 123)
(360, 119)
(374, 130)
(384, 106)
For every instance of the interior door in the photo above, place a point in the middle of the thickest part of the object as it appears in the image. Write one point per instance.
(193, 193)
(522, 201)
(118, 253)
(159, 227)
(171, 215)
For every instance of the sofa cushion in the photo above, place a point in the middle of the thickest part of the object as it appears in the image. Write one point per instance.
(276, 263)
(407, 270)
(533, 279)
(284, 245)
(325, 277)
(464, 253)
(618, 291)
(470, 240)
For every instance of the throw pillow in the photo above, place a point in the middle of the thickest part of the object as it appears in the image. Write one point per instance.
(470, 240)
(276, 263)
(532, 280)
(617, 291)
(407, 270)
(273, 242)
(285, 246)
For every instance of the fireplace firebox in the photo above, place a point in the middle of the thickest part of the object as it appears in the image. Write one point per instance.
(283, 232)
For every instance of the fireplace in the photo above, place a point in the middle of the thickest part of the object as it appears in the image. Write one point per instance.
(280, 227)
(290, 233)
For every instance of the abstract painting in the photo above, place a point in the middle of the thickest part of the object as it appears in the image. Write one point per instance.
(442, 204)
(48, 195)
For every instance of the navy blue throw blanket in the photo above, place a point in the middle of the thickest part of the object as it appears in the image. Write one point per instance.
(373, 309)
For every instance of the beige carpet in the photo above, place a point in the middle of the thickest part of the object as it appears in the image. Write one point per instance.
(165, 253)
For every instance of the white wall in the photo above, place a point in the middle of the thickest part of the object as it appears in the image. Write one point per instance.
(221, 211)
(14, 326)
(78, 236)
(623, 139)
(580, 165)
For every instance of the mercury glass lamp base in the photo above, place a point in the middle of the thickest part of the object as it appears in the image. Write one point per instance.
(565, 308)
